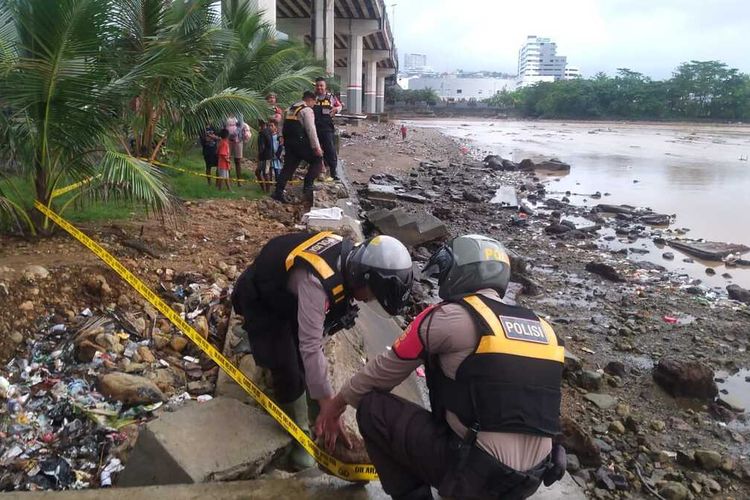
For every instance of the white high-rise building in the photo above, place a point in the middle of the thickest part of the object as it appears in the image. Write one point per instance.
(538, 62)
(414, 61)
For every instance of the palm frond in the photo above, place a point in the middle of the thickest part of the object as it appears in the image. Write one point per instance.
(129, 179)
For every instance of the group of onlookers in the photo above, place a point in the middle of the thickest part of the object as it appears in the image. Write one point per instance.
(305, 132)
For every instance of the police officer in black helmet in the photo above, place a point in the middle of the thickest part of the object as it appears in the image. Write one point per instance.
(493, 372)
(302, 287)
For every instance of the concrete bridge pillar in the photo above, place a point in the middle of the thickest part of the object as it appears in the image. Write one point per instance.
(380, 95)
(322, 32)
(343, 74)
(371, 72)
(354, 80)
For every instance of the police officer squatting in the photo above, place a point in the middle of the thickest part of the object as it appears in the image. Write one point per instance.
(300, 288)
(494, 374)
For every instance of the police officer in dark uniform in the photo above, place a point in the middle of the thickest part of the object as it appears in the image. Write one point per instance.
(300, 144)
(300, 288)
(326, 107)
(494, 373)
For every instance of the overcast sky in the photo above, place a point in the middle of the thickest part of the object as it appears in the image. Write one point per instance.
(650, 36)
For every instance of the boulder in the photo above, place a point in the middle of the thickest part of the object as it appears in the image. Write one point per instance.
(553, 165)
(739, 294)
(129, 389)
(526, 164)
(32, 272)
(472, 197)
(579, 442)
(604, 270)
(691, 379)
(707, 459)
(602, 401)
(672, 490)
(97, 286)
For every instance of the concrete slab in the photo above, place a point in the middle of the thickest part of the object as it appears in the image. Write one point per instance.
(506, 197)
(708, 250)
(411, 228)
(220, 440)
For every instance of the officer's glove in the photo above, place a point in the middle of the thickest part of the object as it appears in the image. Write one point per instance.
(556, 469)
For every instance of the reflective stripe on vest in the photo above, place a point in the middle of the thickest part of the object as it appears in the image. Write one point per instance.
(293, 112)
(515, 336)
(310, 250)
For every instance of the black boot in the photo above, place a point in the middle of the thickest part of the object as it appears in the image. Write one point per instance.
(424, 492)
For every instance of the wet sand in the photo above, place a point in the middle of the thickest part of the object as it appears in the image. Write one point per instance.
(698, 172)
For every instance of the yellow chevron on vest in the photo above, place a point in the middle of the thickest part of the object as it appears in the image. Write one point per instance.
(338, 293)
(293, 112)
(317, 262)
(497, 341)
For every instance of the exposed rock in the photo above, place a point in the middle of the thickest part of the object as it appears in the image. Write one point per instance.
(146, 354)
(604, 270)
(526, 164)
(129, 389)
(472, 197)
(556, 228)
(590, 380)
(690, 379)
(16, 337)
(603, 480)
(572, 362)
(579, 442)
(169, 380)
(110, 343)
(732, 403)
(26, 306)
(615, 368)
(572, 463)
(97, 285)
(178, 343)
(738, 293)
(707, 459)
(32, 272)
(201, 326)
(602, 401)
(617, 427)
(672, 490)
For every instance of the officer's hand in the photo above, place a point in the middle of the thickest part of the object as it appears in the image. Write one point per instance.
(329, 425)
(558, 466)
(318, 152)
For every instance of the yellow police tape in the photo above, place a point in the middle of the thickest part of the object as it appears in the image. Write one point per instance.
(349, 472)
(207, 176)
(67, 189)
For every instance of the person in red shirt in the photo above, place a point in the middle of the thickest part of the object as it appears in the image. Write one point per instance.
(224, 162)
(403, 132)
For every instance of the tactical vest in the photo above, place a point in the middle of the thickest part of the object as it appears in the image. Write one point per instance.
(294, 133)
(322, 109)
(320, 253)
(510, 383)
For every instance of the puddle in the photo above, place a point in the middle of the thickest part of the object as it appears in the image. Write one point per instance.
(735, 386)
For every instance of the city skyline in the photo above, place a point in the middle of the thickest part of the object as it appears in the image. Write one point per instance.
(651, 38)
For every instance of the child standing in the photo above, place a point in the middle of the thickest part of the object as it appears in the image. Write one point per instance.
(403, 132)
(265, 156)
(224, 162)
(278, 150)
(209, 142)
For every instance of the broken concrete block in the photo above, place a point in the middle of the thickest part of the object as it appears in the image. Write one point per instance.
(410, 228)
(220, 440)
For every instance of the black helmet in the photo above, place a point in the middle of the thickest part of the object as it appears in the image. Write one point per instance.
(383, 265)
(469, 263)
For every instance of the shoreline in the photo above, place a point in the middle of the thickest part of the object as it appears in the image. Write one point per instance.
(616, 331)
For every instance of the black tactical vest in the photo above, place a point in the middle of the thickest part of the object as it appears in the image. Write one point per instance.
(262, 288)
(295, 137)
(511, 383)
(322, 110)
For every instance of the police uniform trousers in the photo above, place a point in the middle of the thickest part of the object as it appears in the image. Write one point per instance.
(412, 451)
(274, 342)
(293, 155)
(328, 145)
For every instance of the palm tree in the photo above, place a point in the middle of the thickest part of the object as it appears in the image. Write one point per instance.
(88, 87)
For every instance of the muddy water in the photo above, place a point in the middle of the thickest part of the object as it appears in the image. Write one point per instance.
(700, 173)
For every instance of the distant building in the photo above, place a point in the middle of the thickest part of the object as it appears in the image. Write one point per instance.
(453, 88)
(571, 72)
(414, 61)
(538, 62)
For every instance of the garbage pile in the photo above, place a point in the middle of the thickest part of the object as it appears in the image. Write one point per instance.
(72, 403)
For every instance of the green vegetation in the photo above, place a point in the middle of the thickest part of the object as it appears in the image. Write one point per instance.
(183, 185)
(88, 87)
(698, 90)
(423, 96)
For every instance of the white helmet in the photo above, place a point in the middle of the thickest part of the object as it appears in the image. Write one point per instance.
(383, 265)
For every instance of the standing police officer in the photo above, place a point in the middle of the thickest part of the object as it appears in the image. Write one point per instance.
(326, 107)
(494, 373)
(299, 289)
(300, 144)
